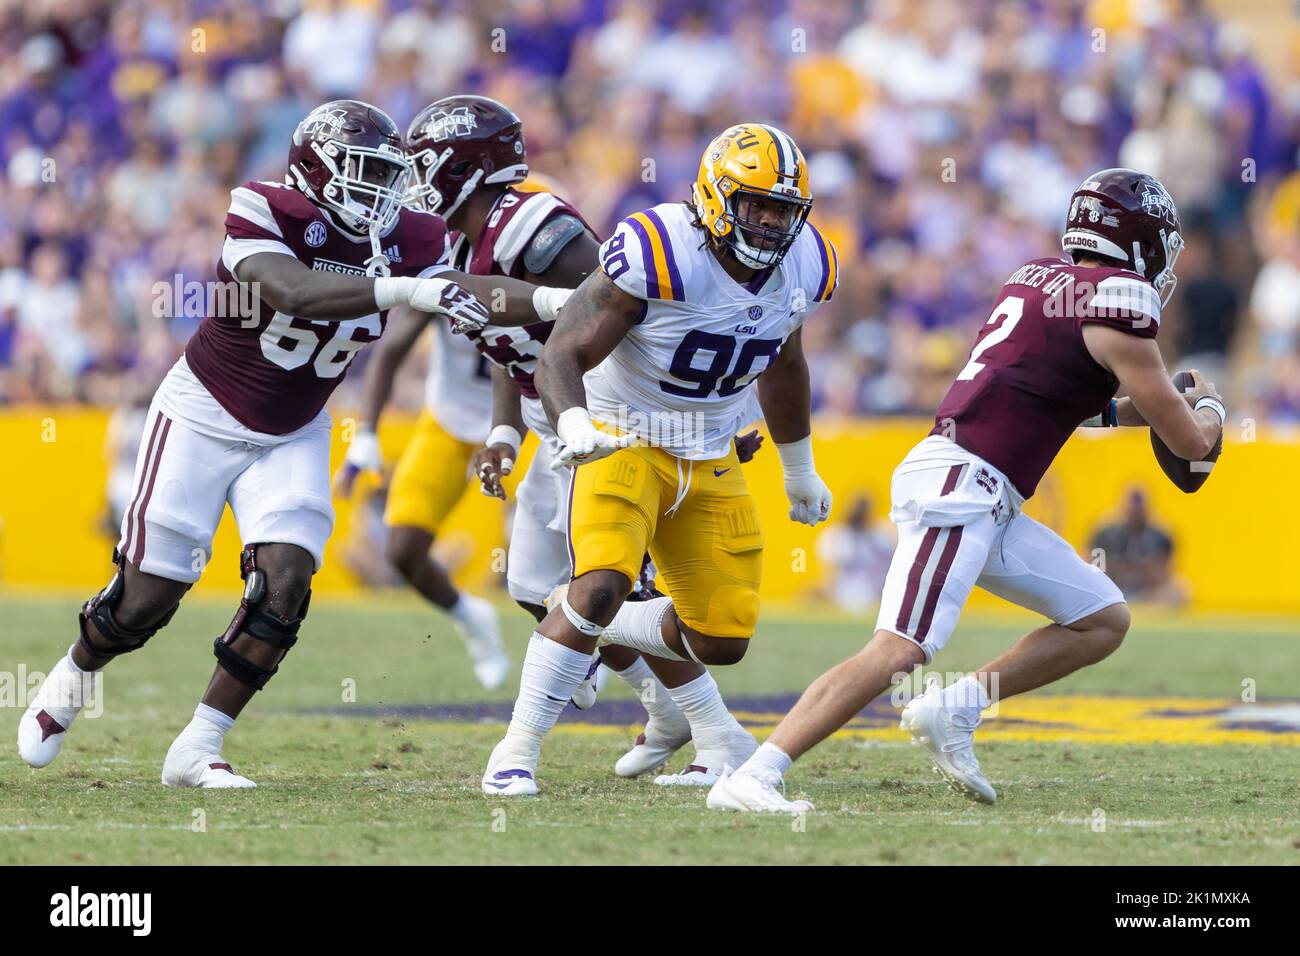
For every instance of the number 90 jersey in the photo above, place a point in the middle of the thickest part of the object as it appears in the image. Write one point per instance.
(680, 378)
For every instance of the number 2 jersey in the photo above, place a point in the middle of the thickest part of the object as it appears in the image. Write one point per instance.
(680, 378)
(1031, 380)
(274, 372)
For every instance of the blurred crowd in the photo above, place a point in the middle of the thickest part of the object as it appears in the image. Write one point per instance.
(944, 137)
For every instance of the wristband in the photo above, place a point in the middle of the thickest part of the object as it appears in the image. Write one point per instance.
(796, 457)
(1212, 403)
(505, 435)
(391, 291)
(1107, 419)
(547, 302)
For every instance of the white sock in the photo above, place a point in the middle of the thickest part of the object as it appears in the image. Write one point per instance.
(653, 695)
(638, 625)
(461, 609)
(207, 729)
(72, 665)
(768, 759)
(66, 690)
(967, 692)
(712, 725)
(549, 676)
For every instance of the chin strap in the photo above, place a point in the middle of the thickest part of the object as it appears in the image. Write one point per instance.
(377, 264)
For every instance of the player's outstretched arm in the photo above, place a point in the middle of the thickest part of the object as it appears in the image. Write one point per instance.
(1136, 362)
(785, 395)
(593, 322)
(510, 302)
(289, 286)
(497, 457)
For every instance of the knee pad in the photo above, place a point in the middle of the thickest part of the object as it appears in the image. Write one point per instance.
(258, 622)
(99, 612)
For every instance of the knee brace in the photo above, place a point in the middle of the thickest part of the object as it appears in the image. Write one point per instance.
(99, 612)
(258, 622)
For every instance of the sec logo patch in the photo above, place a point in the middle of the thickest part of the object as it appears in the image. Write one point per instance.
(315, 234)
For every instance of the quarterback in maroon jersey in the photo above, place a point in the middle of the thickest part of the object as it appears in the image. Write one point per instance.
(240, 419)
(1064, 335)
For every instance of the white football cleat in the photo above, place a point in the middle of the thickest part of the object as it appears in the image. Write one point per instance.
(43, 727)
(654, 746)
(696, 775)
(585, 694)
(747, 793)
(948, 733)
(480, 628)
(510, 774)
(708, 766)
(41, 735)
(186, 766)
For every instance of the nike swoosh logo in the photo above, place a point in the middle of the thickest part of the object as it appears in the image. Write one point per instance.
(558, 700)
(719, 472)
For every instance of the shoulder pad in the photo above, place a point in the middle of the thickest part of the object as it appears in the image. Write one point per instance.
(641, 260)
(550, 240)
(826, 265)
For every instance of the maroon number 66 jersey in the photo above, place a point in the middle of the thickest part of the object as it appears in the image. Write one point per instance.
(274, 372)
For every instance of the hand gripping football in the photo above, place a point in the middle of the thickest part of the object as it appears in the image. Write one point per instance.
(1187, 475)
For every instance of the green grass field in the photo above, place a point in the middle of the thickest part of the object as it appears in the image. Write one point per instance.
(360, 789)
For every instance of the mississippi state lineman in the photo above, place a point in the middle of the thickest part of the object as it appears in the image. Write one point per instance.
(240, 419)
(1064, 335)
(691, 305)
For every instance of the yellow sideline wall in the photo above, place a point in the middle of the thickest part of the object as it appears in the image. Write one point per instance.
(1236, 539)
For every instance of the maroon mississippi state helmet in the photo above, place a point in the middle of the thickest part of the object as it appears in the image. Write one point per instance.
(460, 143)
(347, 157)
(1130, 217)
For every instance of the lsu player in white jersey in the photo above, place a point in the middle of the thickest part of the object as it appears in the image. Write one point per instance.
(693, 304)
(471, 166)
(433, 472)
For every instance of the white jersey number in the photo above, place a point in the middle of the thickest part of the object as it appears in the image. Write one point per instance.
(1009, 310)
(291, 347)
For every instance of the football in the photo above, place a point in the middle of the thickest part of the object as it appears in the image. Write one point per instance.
(1187, 475)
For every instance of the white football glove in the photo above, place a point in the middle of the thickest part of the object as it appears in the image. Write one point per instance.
(444, 297)
(810, 499)
(582, 441)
